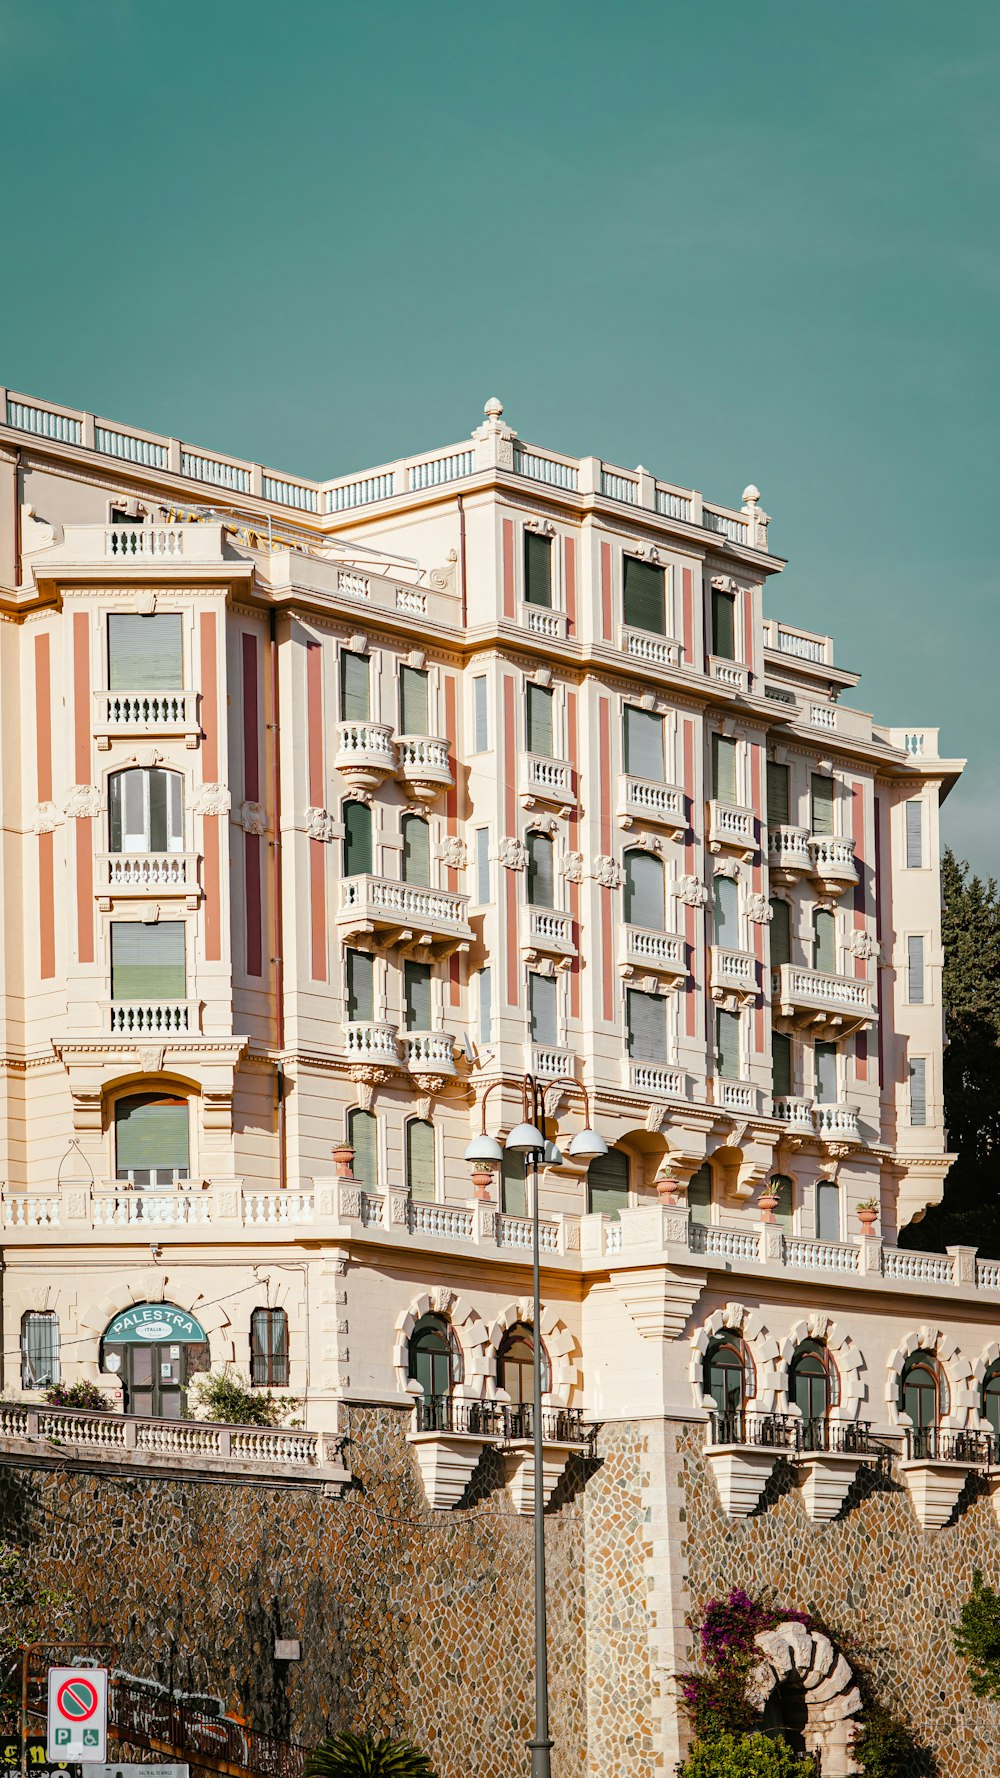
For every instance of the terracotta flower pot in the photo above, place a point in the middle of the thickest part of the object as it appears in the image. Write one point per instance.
(666, 1191)
(482, 1179)
(767, 1204)
(343, 1155)
(867, 1219)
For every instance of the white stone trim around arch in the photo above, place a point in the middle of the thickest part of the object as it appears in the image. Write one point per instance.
(848, 1360)
(154, 1286)
(763, 1347)
(989, 1356)
(963, 1411)
(559, 1343)
(470, 1330)
(831, 1696)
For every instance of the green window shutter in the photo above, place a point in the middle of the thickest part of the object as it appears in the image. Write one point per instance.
(357, 840)
(362, 1134)
(781, 933)
(914, 835)
(147, 962)
(607, 1184)
(727, 923)
(355, 695)
(542, 1008)
(643, 597)
(417, 996)
(537, 569)
(918, 1090)
(643, 744)
(827, 1211)
(723, 769)
(541, 871)
(777, 795)
(420, 1160)
(151, 1133)
(360, 985)
(781, 1065)
(646, 1017)
(781, 1185)
(822, 800)
(480, 715)
(539, 709)
(483, 866)
(485, 1006)
(727, 1044)
(700, 1195)
(824, 941)
(513, 1184)
(915, 970)
(413, 702)
(826, 1073)
(644, 891)
(145, 653)
(723, 625)
(416, 850)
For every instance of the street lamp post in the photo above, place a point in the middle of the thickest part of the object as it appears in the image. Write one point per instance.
(528, 1137)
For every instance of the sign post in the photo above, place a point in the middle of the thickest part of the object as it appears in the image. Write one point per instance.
(78, 1714)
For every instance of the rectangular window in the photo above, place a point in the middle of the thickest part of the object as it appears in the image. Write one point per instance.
(513, 1184)
(485, 1006)
(723, 624)
(151, 1139)
(413, 702)
(826, 1074)
(723, 769)
(727, 1044)
(144, 653)
(727, 919)
(540, 875)
(269, 1348)
(542, 1008)
(781, 1065)
(827, 1211)
(777, 795)
(147, 962)
(537, 569)
(417, 996)
(539, 720)
(420, 1161)
(643, 744)
(781, 933)
(480, 714)
(700, 1196)
(39, 1349)
(915, 970)
(646, 1019)
(643, 601)
(483, 866)
(914, 835)
(355, 694)
(822, 803)
(918, 1090)
(360, 985)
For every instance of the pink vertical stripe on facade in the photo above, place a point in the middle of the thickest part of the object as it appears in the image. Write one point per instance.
(251, 790)
(451, 815)
(861, 967)
(606, 610)
(84, 825)
(317, 849)
(604, 818)
(690, 928)
(211, 834)
(507, 552)
(569, 569)
(883, 887)
(687, 616)
(573, 756)
(46, 841)
(757, 878)
(509, 756)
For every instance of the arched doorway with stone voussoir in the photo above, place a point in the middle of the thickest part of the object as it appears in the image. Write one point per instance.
(806, 1693)
(155, 1349)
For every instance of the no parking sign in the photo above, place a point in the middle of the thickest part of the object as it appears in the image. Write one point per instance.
(78, 1714)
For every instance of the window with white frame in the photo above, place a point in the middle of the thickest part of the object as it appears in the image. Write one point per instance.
(918, 1090)
(480, 714)
(145, 810)
(482, 852)
(915, 985)
(39, 1349)
(913, 827)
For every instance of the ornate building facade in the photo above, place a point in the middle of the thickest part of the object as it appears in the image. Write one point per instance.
(331, 807)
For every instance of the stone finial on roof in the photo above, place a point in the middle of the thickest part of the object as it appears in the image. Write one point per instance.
(757, 520)
(494, 440)
(493, 410)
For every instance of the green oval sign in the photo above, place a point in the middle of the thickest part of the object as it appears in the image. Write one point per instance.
(154, 1321)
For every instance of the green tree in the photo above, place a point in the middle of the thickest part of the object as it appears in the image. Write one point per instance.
(745, 1756)
(977, 1637)
(228, 1396)
(969, 1212)
(367, 1756)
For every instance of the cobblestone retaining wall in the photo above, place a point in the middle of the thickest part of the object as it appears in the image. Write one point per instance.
(410, 1620)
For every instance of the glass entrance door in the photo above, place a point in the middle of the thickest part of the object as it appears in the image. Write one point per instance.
(154, 1377)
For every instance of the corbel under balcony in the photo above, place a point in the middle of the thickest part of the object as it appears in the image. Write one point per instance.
(429, 1056)
(788, 854)
(385, 912)
(732, 828)
(647, 800)
(519, 1471)
(365, 755)
(733, 977)
(424, 765)
(936, 1468)
(447, 1462)
(822, 1001)
(550, 934)
(649, 952)
(831, 863)
(548, 782)
(451, 1436)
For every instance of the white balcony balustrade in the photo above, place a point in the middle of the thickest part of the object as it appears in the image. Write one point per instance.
(837, 1123)
(550, 1062)
(656, 651)
(365, 754)
(403, 913)
(645, 951)
(125, 715)
(543, 622)
(731, 828)
(645, 800)
(424, 764)
(369, 1040)
(788, 853)
(734, 674)
(129, 874)
(831, 863)
(152, 1018)
(795, 1114)
(547, 780)
(656, 1081)
(550, 933)
(735, 1095)
(821, 1001)
(733, 976)
(429, 1053)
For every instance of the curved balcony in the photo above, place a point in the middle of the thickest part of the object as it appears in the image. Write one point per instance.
(837, 1123)
(818, 1000)
(788, 853)
(368, 1040)
(424, 763)
(429, 1054)
(732, 828)
(795, 1114)
(394, 913)
(365, 754)
(831, 863)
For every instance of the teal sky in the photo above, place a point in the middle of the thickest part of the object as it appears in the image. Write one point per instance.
(732, 243)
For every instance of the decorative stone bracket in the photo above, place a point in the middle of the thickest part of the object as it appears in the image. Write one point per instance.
(447, 1462)
(934, 1488)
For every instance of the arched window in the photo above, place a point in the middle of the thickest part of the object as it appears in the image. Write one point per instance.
(541, 870)
(420, 1161)
(827, 1210)
(991, 1398)
(727, 924)
(151, 1139)
(269, 1348)
(434, 1363)
(727, 1377)
(416, 851)
(645, 890)
(607, 1183)
(145, 810)
(357, 839)
(700, 1195)
(515, 1364)
(362, 1134)
(781, 1185)
(812, 1386)
(920, 1392)
(824, 940)
(39, 1349)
